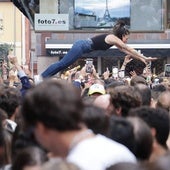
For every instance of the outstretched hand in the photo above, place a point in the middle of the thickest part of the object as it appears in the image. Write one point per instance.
(148, 59)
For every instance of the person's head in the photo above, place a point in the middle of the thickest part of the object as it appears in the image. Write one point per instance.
(9, 100)
(103, 101)
(110, 86)
(55, 103)
(123, 98)
(55, 106)
(158, 121)
(164, 100)
(121, 130)
(29, 158)
(143, 140)
(96, 119)
(155, 92)
(137, 80)
(96, 90)
(121, 31)
(145, 92)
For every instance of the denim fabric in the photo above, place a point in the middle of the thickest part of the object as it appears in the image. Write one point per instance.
(79, 47)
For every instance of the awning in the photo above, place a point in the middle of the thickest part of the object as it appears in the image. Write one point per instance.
(158, 48)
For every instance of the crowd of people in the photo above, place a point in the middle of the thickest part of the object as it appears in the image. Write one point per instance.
(81, 120)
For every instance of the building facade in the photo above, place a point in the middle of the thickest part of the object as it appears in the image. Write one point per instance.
(14, 30)
(150, 32)
(57, 24)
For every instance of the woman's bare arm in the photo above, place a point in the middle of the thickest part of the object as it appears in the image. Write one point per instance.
(112, 39)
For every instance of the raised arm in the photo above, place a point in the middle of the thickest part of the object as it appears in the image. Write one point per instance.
(112, 39)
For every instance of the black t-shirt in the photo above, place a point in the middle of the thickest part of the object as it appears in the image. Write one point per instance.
(99, 42)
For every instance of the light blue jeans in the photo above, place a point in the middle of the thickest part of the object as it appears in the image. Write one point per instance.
(79, 47)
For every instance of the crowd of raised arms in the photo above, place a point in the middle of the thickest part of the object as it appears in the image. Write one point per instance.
(80, 120)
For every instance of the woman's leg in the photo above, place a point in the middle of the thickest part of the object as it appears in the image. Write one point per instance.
(79, 47)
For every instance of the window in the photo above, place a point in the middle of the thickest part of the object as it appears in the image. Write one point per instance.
(147, 15)
(144, 15)
(100, 13)
(140, 15)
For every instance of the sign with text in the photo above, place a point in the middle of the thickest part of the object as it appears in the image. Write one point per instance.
(51, 22)
(57, 52)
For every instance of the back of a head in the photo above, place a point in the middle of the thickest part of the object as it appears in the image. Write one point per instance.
(157, 90)
(10, 99)
(55, 103)
(121, 130)
(145, 93)
(113, 84)
(103, 101)
(164, 100)
(142, 138)
(156, 118)
(137, 80)
(96, 119)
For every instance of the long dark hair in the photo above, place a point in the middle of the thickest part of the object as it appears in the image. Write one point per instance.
(120, 29)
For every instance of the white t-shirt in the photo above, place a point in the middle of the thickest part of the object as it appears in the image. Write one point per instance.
(98, 153)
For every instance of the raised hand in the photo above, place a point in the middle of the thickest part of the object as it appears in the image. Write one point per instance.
(127, 59)
(13, 59)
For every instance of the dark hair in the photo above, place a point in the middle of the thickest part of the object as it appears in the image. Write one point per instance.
(22, 138)
(142, 138)
(157, 90)
(125, 97)
(5, 145)
(10, 99)
(145, 92)
(29, 156)
(96, 119)
(156, 118)
(121, 131)
(55, 103)
(120, 29)
(164, 100)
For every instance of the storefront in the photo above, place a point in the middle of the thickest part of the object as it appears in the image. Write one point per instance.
(114, 57)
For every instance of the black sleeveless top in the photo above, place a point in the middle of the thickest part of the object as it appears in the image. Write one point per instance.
(99, 42)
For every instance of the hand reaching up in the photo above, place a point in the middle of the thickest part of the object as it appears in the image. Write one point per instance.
(13, 59)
